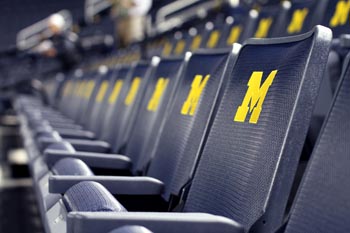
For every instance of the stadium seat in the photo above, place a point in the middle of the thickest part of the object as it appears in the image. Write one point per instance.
(336, 17)
(300, 17)
(247, 165)
(268, 20)
(322, 203)
(192, 109)
(147, 123)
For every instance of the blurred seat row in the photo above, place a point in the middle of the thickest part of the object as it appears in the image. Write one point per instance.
(201, 141)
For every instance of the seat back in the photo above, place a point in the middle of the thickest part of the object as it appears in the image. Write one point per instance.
(89, 95)
(123, 113)
(69, 92)
(300, 17)
(323, 200)
(336, 17)
(238, 27)
(248, 163)
(268, 20)
(159, 93)
(100, 100)
(188, 116)
(99, 128)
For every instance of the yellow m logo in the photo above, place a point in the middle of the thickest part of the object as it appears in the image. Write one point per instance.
(196, 42)
(102, 91)
(115, 93)
(180, 46)
(89, 89)
(234, 35)
(297, 22)
(254, 96)
(197, 87)
(213, 39)
(263, 28)
(161, 85)
(341, 13)
(135, 85)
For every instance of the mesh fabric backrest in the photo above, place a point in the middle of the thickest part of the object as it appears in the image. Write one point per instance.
(247, 168)
(182, 131)
(322, 204)
(235, 31)
(336, 17)
(149, 118)
(123, 115)
(99, 102)
(124, 75)
(268, 21)
(90, 98)
(300, 17)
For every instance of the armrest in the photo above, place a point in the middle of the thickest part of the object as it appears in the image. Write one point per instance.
(114, 184)
(65, 125)
(96, 160)
(75, 134)
(89, 222)
(89, 145)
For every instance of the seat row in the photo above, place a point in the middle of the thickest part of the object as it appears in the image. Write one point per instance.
(239, 23)
(207, 142)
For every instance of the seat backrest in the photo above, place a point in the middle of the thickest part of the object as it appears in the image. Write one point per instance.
(248, 163)
(323, 200)
(238, 27)
(69, 93)
(267, 21)
(90, 93)
(100, 100)
(123, 112)
(188, 116)
(121, 75)
(336, 17)
(300, 17)
(159, 93)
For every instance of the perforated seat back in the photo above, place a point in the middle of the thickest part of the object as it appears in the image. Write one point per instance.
(69, 95)
(336, 17)
(237, 28)
(100, 100)
(300, 17)
(84, 91)
(267, 21)
(189, 115)
(114, 100)
(253, 148)
(117, 123)
(159, 93)
(323, 200)
(90, 93)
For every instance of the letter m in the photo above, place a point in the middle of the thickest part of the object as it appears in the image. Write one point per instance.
(254, 97)
(197, 87)
(341, 14)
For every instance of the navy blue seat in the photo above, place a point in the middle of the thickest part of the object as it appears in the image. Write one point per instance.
(268, 20)
(182, 133)
(300, 17)
(247, 165)
(139, 139)
(238, 26)
(336, 17)
(322, 202)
